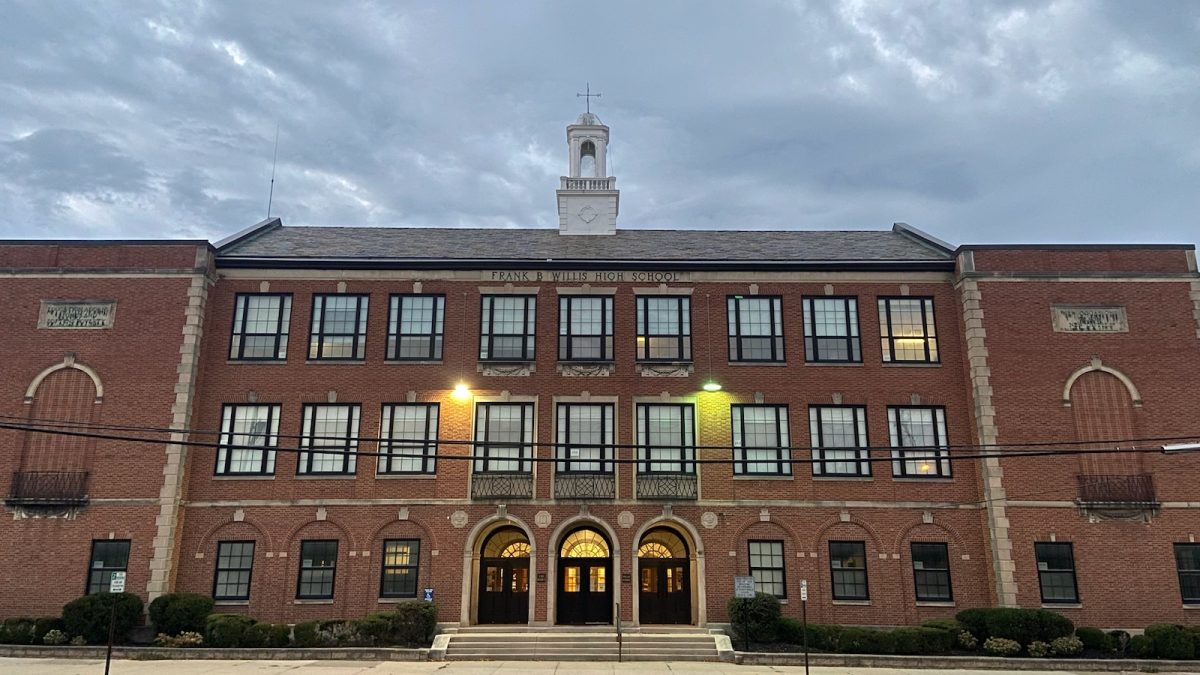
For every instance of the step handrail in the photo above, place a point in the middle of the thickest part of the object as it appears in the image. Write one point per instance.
(620, 642)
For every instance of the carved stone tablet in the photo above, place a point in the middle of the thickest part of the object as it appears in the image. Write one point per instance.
(1069, 319)
(77, 314)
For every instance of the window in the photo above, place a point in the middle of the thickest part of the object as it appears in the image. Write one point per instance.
(108, 556)
(415, 325)
(585, 437)
(408, 438)
(755, 328)
(665, 438)
(503, 437)
(760, 440)
(318, 566)
(260, 326)
(766, 566)
(931, 572)
(919, 442)
(585, 328)
(330, 439)
(249, 435)
(1056, 572)
(506, 332)
(848, 569)
(339, 327)
(839, 439)
(664, 328)
(1187, 562)
(907, 331)
(235, 559)
(400, 563)
(831, 330)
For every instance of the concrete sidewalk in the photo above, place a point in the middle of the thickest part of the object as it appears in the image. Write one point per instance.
(94, 667)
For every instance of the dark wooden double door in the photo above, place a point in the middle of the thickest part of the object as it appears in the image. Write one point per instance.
(504, 590)
(665, 595)
(585, 591)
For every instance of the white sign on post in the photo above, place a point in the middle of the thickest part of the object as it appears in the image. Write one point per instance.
(804, 590)
(116, 583)
(743, 587)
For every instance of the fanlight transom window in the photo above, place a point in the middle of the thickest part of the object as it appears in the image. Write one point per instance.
(662, 544)
(507, 543)
(584, 544)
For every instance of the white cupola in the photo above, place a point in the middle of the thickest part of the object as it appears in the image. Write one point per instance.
(588, 198)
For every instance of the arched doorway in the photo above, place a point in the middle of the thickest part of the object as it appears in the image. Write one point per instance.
(504, 577)
(664, 578)
(584, 578)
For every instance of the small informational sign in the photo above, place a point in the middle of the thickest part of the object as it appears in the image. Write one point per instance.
(428, 595)
(77, 314)
(1075, 319)
(116, 583)
(743, 587)
(804, 590)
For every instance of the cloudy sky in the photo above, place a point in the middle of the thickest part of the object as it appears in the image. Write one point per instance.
(978, 121)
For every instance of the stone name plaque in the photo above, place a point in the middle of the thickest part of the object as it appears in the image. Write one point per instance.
(1089, 319)
(77, 314)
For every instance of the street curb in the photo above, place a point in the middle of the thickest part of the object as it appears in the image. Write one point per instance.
(966, 662)
(208, 653)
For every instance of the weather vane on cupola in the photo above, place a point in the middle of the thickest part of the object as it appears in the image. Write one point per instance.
(587, 97)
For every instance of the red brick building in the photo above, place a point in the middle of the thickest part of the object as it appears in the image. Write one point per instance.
(541, 426)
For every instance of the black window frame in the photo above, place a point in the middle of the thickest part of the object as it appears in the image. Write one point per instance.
(783, 436)
(733, 319)
(683, 339)
(932, 572)
(238, 334)
(834, 572)
(887, 336)
(566, 338)
(106, 572)
(391, 451)
(483, 446)
(414, 555)
(687, 451)
(782, 569)
(224, 455)
(862, 447)
(565, 464)
(939, 450)
(302, 568)
(437, 327)
(304, 459)
(317, 332)
(487, 311)
(1039, 547)
(1192, 573)
(813, 340)
(218, 570)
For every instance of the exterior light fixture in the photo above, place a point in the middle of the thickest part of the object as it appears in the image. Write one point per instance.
(712, 385)
(461, 391)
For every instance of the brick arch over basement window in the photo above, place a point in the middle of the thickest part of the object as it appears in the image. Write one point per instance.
(1103, 406)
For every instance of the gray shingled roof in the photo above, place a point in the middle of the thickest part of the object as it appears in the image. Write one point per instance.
(380, 243)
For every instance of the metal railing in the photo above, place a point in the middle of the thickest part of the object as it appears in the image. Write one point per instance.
(585, 486)
(681, 486)
(1134, 489)
(620, 637)
(50, 488)
(502, 486)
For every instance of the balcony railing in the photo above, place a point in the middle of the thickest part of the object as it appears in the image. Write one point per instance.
(502, 486)
(609, 183)
(48, 488)
(1126, 490)
(673, 486)
(585, 486)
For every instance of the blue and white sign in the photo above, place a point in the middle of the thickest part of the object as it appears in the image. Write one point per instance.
(428, 595)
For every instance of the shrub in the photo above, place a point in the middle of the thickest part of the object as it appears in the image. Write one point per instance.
(790, 631)
(305, 634)
(1171, 641)
(754, 618)
(44, 625)
(184, 639)
(226, 630)
(967, 641)
(1095, 639)
(339, 633)
(267, 635)
(415, 621)
(175, 613)
(1120, 641)
(1021, 625)
(88, 616)
(1141, 647)
(951, 625)
(1038, 649)
(853, 640)
(824, 637)
(1066, 646)
(923, 640)
(375, 629)
(997, 646)
(78, 641)
(54, 636)
(17, 631)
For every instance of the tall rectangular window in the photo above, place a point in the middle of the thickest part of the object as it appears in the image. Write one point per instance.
(1056, 572)
(415, 327)
(504, 437)
(664, 328)
(665, 438)
(848, 570)
(831, 330)
(585, 437)
(755, 328)
(401, 558)
(918, 435)
(408, 438)
(907, 331)
(330, 440)
(318, 569)
(339, 327)
(766, 566)
(506, 331)
(108, 556)
(585, 328)
(249, 436)
(931, 571)
(1187, 563)
(761, 440)
(260, 326)
(839, 440)
(235, 562)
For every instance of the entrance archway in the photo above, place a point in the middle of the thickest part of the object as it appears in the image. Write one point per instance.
(584, 588)
(504, 577)
(664, 578)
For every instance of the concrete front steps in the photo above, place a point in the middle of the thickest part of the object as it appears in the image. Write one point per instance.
(566, 643)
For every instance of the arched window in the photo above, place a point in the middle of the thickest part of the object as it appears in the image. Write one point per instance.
(584, 543)
(662, 543)
(587, 160)
(508, 542)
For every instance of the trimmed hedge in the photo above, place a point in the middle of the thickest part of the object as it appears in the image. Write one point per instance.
(754, 618)
(1171, 642)
(176, 613)
(227, 630)
(413, 623)
(17, 631)
(1020, 625)
(923, 640)
(88, 616)
(1095, 639)
(1141, 647)
(267, 635)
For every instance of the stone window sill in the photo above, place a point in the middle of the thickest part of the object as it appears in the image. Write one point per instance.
(935, 603)
(335, 362)
(231, 603)
(406, 476)
(1191, 606)
(249, 362)
(1062, 605)
(853, 603)
(753, 477)
(914, 364)
(769, 364)
(834, 364)
(830, 479)
(392, 601)
(413, 362)
(312, 602)
(899, 479)
(252, 477)
(308, 476)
